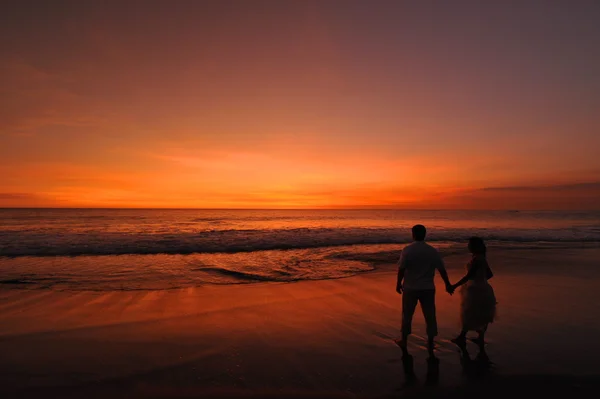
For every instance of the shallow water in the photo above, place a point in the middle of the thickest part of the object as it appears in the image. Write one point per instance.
(157, 249)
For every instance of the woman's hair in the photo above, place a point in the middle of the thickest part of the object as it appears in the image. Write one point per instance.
(477, 246)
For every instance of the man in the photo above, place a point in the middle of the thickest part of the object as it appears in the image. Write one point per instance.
(417, 266)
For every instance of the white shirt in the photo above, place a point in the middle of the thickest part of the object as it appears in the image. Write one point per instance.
(419, 261)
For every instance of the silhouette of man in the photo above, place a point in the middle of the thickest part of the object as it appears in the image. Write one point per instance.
(417, 267)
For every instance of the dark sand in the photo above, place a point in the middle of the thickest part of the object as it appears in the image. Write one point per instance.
(308, 339)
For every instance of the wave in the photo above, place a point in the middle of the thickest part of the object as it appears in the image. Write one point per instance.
(16, 281)
(238, 275)
(66, 243)
(132, 272)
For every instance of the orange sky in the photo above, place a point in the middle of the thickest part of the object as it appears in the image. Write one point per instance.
(300, 105)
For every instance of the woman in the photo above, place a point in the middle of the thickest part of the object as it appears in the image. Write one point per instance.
(478, 302)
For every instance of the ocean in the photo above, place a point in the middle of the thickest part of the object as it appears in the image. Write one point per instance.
(133, 249)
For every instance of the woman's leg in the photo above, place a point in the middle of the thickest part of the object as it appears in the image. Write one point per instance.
(461, 340)
(481, 338)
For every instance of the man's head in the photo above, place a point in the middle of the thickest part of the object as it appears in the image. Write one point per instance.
(419, 232)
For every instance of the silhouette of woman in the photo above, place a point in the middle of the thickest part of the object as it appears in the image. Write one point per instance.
(478, 301)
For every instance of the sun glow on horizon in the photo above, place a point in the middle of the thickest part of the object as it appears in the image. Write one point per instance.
(338, 109)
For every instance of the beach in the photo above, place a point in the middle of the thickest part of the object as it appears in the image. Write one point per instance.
(210, 199)
(327, 338)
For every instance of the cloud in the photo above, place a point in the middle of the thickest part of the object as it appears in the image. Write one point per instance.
(16, 196)
(573, 196)
(568, 187)
(28, 200)
(32, 98)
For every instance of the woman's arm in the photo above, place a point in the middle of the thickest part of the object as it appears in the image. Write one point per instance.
(489, 273)
(467, 276)
(463, 280)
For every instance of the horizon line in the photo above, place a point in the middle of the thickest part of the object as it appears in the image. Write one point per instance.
(294, 209)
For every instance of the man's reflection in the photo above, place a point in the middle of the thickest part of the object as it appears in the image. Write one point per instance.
(410, 377)
(408, 364)
(433, 370)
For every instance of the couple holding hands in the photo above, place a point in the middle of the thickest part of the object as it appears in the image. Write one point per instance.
(416, 271)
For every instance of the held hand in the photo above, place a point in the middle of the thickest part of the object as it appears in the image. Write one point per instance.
(450, 289)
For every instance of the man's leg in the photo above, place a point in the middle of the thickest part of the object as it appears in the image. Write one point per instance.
(409, 303)
(427, 300)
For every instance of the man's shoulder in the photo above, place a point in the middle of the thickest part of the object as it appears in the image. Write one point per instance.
(430, 250)
(430, 247)
(420, 247)
(433, 250)
(410, 247)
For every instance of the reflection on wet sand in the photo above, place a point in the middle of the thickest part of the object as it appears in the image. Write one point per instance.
(410, 377)
(433, 371)
(473, 369)
(478, 368)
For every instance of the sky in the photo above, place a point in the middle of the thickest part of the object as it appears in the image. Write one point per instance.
(300, 104)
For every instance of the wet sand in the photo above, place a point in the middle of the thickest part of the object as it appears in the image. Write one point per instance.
(331, 338)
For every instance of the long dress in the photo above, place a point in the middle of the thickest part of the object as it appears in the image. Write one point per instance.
(478, 301)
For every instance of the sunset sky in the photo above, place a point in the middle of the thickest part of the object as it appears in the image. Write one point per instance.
(300, 104)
